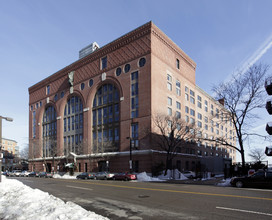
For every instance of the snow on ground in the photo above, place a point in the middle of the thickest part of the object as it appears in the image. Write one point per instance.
(143, 177)
(65, 176)
(224, 182)
(20, 202)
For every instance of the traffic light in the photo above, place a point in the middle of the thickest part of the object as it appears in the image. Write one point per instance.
(268, 88)
(268, 151)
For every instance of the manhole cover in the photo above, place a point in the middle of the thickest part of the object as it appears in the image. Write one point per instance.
(143, 196)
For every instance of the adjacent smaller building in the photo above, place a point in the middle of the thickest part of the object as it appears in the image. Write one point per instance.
(10, 151)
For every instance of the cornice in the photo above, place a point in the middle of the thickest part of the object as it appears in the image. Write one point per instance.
(169, 43)
(110, 47)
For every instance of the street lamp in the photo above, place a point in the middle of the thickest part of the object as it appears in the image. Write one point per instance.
(130, 153)
(1, 155)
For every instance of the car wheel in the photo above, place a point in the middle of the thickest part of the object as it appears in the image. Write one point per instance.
(105, 178)
(126, 179)
(239, 184)
(113, 178)
(85, 178)
(95, 178)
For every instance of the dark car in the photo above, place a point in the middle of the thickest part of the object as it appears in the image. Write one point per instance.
(32, 174)
(45, 175)
(260, 179)
(86, 175)
(125, 176)
(103, 175)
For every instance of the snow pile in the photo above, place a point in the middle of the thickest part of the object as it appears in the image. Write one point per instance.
(143, 177)
(21, 202)
(65, 176)
(173, 174)
(225, 182)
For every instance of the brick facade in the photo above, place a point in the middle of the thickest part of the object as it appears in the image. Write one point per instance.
(160, 54)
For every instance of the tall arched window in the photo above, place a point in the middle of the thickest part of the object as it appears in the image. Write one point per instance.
(106, 119)
(49, 132)
(73, 126)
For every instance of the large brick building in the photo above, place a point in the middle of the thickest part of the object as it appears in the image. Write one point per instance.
(92, 111)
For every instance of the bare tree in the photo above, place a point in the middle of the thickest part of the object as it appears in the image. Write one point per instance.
(242, 95)
(171, 134)
(24, 152)
(257, 154)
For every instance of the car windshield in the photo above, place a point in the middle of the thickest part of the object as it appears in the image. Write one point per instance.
(258, 175)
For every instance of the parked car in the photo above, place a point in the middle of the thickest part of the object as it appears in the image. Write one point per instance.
(86, 175)
(103, 175)
(24, 173)
(260, 179)
(189, 174)
(5, 173)
(125, 176)
(32, 174)
(45, 175)
(15, 173)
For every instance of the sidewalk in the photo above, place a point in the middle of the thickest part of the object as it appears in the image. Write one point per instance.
(213, 181)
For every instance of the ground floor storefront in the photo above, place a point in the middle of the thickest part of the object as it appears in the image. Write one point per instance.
(149, 161)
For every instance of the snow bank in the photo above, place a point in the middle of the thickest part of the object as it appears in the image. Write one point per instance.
(65, 176)
(224, 182)
(143, 177)
(21, 202)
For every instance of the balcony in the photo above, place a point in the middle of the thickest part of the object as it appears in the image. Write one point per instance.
(269, 106)
(268, 85)
(269, 128)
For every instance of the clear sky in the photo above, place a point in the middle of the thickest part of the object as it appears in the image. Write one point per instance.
(38, 38)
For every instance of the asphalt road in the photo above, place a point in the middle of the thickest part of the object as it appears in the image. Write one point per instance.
(147, 200)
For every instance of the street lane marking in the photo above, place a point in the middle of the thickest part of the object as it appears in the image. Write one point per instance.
(76, 187)
(251, 189)
(168, 190)
(247, 211)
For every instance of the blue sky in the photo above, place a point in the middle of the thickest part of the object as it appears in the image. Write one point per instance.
(38, 38)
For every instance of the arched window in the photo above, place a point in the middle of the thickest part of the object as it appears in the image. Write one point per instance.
(73, 126)
(106, 119)
(49, 126)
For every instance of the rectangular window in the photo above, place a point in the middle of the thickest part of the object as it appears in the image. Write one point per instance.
(177, 62)
(178, 91)
(169, 111)
(186, 109)
(169, 78)
(178, 105)
(186, 97)
(104, 63)
(48, 90)
(134, 135)
(178, 114)
(134, 95)
(169, 101)
(192, 112)
(169, 86)
(199, 116)
(192, 100)
(34, 124)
